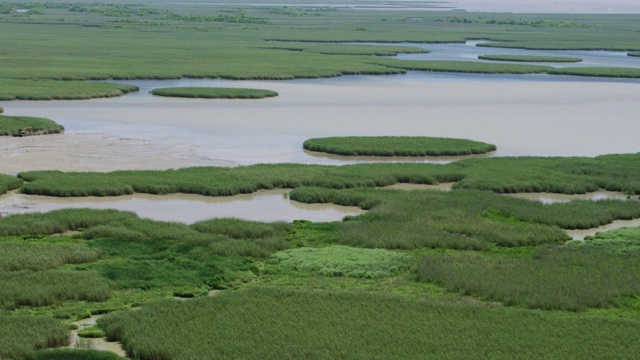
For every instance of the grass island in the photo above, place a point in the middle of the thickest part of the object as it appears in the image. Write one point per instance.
(530, 58)
(214, 93)
(397, 146)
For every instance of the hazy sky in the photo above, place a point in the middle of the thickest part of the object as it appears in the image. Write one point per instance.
(547, 6)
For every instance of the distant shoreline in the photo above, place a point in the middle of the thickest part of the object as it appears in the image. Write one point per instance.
(550, 6)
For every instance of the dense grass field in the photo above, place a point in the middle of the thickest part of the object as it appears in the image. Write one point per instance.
(21, 89)
(571, 175)
(11, 125)
(463, 274)
(166, 40)
(270, 323)
(397, 146)
(215, 93)
(530, 58)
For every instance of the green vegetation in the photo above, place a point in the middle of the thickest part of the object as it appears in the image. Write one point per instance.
(73, 354)
(214, 93)
(397, 146)
(163, 41)
(13, 89)
(465, 66)
(530, 58)
(598, 72)
(341, 261)
(573, 278)
(573, 175)
(91, 332)
(633, 53)
(21, 336)
(270, 323)
(8, 183)
(24, 125)
(348, 49)
(422, 272)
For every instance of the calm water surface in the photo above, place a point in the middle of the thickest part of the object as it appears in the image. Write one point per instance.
(535, 115)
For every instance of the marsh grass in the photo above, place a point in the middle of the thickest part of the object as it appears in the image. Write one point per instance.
(21, 336)
(568, 175)
(11, 125)
(91, 332)
(339, 261)
(397, 146)
(633, 54)
(8, 183)
(241, 229)
(214, 93)
(75, 354)
(16, 256)
(530, 58)
(469, 220)
(18, 89)
(49, 287)
(464, 66)
(610, 72)
(573, 278)
(271, 323)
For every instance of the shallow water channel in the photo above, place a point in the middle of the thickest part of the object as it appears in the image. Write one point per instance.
(264, 205)
(524, 115)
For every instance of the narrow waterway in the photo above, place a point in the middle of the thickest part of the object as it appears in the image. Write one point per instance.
(264, 205)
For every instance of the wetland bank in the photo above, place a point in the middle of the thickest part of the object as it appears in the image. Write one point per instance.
(431, 246)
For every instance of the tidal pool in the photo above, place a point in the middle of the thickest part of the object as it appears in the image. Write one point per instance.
(264, 205)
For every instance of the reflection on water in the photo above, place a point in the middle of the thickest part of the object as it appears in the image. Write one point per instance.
(469, 51)
(405, 186)
(552, 198)
(98, 343)
(417, 159)
(265, 205)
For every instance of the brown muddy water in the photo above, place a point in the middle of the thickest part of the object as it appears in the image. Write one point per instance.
(264, 205)
(77, 342)
(618, 224)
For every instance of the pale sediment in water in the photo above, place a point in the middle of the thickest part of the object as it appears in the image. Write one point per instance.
(424, 159)
(522, 117)
(263, 205)
(552, 198)
(618, 224)
(102, 344)
(405, 186)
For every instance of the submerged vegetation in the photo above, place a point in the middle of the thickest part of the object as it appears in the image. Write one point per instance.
(25, 125)
(214, 93)
(397, 146)
(530, 58)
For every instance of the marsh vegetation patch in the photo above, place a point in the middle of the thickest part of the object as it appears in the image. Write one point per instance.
(26, 125)
(397, 146)
(214, 93)
(530, 58)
